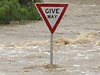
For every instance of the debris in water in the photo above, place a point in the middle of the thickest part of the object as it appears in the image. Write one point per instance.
(63, 40)
(85, 38)
(31, 57)
(29, 68)
(98, 67)
(26, 43)
(90, 35)
(98, 43)
(81, 41)
(52, 66)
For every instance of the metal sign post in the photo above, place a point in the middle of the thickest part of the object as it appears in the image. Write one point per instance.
(51, 49)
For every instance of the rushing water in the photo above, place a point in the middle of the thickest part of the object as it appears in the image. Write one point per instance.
(25, 47)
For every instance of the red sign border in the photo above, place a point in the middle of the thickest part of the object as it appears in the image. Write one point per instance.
(39, 5)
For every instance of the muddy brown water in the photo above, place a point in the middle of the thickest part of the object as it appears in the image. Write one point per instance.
(24, 47)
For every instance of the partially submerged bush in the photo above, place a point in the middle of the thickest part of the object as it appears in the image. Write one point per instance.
(14, 10)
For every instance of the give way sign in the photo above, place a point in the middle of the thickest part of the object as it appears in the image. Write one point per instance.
(52, 14)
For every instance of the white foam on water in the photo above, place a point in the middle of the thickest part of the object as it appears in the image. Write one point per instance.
(2, 73)
(93, 5)
(47, 53)
(76, 65)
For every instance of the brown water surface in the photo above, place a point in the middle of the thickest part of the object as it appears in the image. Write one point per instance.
(24, 47)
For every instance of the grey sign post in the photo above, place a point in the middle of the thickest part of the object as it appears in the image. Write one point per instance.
(51, 49)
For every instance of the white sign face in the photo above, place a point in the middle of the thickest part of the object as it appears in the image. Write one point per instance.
(52, 14)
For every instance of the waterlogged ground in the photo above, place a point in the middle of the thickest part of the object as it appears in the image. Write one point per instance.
(25, 47)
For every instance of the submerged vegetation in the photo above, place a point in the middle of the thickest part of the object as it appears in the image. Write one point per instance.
(18, 10)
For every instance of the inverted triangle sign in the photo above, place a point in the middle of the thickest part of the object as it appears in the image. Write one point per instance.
(51, 14)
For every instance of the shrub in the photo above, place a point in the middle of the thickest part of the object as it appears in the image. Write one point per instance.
(12, 10)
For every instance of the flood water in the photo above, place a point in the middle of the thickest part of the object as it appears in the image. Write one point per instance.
(25, 46)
